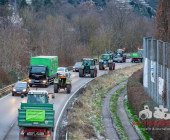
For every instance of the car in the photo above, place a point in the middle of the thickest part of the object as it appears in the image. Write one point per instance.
(77, 66)
(62, 69)
(20, 88)
(118, 58)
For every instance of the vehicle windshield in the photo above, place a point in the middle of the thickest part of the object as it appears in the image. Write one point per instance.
(20, 85)
(38, 70)
(87, 62)
(106, 57)
(60, 69)
(140, 51)
(119, 52)
(78, 64)
(37, 98)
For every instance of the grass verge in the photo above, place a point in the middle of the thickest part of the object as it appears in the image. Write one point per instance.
(143, 134)
(116, 120)
(83, 121)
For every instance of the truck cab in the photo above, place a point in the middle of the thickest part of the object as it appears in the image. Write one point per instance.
(37, 74)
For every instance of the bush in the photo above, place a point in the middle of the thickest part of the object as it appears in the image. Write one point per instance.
(137, 98)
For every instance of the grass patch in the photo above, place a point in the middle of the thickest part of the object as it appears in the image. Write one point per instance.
(87, 109)
(133, 118)
(113, 108)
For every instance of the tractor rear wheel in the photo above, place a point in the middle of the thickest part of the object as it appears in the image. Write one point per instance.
(111, 66)
(55, 88)
(92, 73)
(80, 73)
(68, 88)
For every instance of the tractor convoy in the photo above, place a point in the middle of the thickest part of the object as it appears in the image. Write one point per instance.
(36, 117)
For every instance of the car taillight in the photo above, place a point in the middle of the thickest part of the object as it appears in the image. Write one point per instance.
(48, 133)
(68, 81)
(55, 80)
(22, 131)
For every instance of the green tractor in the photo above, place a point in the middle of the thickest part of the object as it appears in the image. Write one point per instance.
(106, 61)
(62, 81)
(88, 67)
(119, 56)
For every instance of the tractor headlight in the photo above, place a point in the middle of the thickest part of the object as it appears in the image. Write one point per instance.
(24, 90)
(44, 81)
(14, 89)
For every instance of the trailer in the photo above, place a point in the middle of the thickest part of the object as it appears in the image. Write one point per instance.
(36, 117)
(137, 57)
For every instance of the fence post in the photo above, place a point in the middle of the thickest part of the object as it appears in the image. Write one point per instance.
(167, 89)
(157, 74)
(164, 65)
(152, 52)
(144, 56)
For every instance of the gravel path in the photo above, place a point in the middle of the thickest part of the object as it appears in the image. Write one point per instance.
(131, 133)
(106, 116)
(107, 119)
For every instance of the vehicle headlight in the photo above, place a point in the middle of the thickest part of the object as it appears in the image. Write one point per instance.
(14, 89)
(29, 80)
(73, 67)
(44, 81)
(24, 90)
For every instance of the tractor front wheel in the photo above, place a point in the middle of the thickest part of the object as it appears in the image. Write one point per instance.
(55, 88)
(68, 88)
(100, 66)
(80, 73)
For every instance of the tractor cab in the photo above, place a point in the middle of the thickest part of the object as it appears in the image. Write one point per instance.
(106, 57)
(119, 52)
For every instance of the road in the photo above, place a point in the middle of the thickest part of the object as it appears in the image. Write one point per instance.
(9, 105)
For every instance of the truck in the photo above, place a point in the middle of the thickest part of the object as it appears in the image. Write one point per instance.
(36, 117)
(119, 56)
(42, 70)
(106, 61)
(137, 57)
(88, 67)
(62, 81)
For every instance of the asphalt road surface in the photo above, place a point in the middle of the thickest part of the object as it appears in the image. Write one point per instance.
(9, 104)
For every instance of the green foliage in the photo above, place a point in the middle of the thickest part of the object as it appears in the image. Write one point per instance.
(3, 2)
